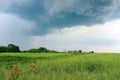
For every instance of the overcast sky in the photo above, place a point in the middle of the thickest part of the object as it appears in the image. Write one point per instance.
(61, 24)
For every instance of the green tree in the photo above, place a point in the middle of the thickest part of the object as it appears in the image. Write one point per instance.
(39, 50)
(13, 48)
(80, 51)
(91, 52)
(33, 50)
(42, 49)
(3, 49)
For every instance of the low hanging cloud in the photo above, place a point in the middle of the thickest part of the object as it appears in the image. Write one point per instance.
(57, 14)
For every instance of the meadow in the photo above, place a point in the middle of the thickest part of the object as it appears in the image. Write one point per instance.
(59, 66)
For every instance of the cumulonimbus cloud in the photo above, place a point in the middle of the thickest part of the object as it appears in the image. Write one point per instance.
(54, 14)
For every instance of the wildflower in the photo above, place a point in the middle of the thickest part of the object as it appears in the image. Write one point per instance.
(65, 69)
(33, 66)
(12, 74)
(16, 68)
(9, 78)
(17, 76)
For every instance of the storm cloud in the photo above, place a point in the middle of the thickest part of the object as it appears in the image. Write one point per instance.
(57, 14)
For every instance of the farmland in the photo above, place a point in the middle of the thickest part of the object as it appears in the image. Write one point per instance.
(59, 66)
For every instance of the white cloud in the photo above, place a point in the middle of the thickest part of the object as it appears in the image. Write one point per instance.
(101, 38)
(14, 30)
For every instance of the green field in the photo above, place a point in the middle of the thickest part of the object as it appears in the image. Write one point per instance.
(59, 66)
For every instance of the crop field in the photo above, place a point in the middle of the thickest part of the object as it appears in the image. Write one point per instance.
(59, 66)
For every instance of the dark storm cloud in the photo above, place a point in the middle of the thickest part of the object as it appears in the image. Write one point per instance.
(57, 14)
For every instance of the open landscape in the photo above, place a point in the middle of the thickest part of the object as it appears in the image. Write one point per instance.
(59, 66)
(59, 39)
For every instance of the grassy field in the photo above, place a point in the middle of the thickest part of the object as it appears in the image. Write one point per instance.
(59, 66)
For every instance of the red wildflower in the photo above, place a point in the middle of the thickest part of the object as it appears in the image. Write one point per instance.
(33, 66)
(9, 78)
(16, 68)
(17, 76)
(65, 69)
(12, 74)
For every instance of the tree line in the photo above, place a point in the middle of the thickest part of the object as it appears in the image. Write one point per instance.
(41, 49)
(15, 48)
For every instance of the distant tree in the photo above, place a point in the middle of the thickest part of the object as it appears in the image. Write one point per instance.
(52, 51)
(91, 52)
(73, 51)
(25, 51)
(33, 50)
(39, 50)
(3, 49)
(13, 48)
(80, 51)
(42, 49)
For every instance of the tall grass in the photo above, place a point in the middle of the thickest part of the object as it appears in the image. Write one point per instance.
(59, 66)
